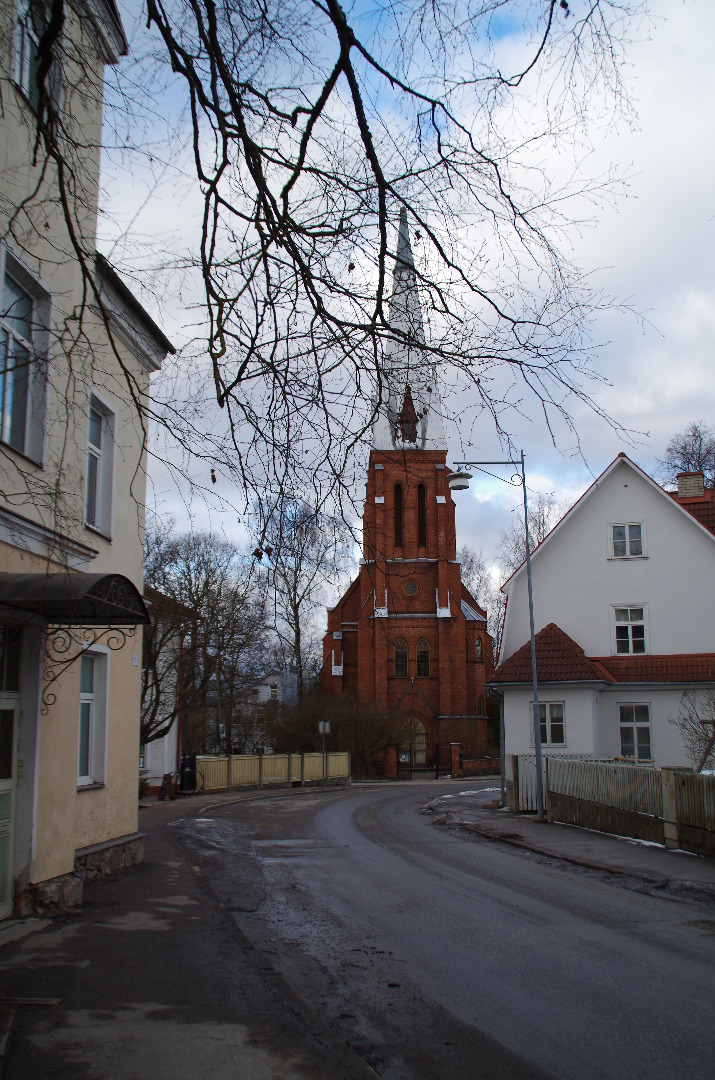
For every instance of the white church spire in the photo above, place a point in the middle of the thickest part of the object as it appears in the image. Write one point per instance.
(410, 417)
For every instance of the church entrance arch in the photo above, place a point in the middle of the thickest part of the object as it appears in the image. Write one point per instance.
(412, 748)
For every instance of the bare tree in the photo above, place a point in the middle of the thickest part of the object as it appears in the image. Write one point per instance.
(544, 513)
(306, 553)
(483, 580)
(695, 721)
(358, 727)
(310, 129)
(224, 646)
(692, 450)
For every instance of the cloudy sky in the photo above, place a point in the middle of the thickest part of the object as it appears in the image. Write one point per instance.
(653, 249)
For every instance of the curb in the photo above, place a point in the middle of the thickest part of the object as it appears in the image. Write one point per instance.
(705, 892)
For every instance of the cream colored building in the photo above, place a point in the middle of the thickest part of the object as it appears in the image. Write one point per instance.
(76, 355)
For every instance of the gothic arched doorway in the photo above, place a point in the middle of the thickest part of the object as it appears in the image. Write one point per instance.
(413, 743)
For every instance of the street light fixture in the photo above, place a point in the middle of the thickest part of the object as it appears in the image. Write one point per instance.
(459, 481)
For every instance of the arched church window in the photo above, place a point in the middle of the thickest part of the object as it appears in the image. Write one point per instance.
(421, 516)
(423, 659)
(479, 649)
(400, 659)
(398, 515)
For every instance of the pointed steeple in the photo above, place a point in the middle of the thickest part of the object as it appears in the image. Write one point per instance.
(408, 370)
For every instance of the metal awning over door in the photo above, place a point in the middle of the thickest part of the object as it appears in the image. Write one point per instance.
(75, 599)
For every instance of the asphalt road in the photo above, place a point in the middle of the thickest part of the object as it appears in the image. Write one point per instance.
(434, 955)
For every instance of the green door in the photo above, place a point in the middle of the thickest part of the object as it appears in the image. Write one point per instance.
(8, 725)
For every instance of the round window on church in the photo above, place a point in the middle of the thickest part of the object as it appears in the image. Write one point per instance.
(410, 588)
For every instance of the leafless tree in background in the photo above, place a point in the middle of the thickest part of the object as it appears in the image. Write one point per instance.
(306, 553)
(692, 450)
(225, 643)
(696, 723)
(544, 512)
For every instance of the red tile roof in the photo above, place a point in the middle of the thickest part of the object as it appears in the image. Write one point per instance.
(702, 507)
(560, 659)
(686, 667)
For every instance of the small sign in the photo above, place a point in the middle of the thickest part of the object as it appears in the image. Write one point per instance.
(324, 727)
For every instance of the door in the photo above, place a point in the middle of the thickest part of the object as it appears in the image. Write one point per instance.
(8, 728)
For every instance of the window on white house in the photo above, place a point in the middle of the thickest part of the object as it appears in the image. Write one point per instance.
(92, 714)
(627, 541)
(551, 715)
(31, 22)
(23, 310)
(630, 630)
(635, 732)
(100, 460)
(274, 691)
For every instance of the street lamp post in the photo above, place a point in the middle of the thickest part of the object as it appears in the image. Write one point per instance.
(459, 481)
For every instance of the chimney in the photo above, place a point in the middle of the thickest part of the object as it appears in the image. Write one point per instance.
(691, 485)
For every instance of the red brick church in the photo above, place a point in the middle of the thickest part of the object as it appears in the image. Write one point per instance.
(407, 635)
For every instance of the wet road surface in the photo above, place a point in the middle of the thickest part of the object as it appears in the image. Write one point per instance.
(434, 955)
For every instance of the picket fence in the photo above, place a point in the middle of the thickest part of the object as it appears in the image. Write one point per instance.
(608, 783)
(671, 806)
(264, 770)
(521, 777)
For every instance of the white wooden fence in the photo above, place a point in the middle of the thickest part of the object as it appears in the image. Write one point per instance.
(521, 775)
(671, 806)
(608, 783)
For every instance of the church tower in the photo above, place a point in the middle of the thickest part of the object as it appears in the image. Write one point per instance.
(407, 635)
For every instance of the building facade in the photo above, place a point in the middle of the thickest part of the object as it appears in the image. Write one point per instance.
(624, 588)
(407, 635)
(76, 354)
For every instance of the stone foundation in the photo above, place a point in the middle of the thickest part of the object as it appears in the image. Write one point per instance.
(64, 893)
(99, 860)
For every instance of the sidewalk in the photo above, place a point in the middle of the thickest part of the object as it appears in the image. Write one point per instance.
(152, 980)
(673, 870)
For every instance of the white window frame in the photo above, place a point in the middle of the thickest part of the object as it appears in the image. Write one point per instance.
(35, 418)
(545, 708)
(615, 623)
(104, 457)
(634, 725)
(97, 730)
(627, 525)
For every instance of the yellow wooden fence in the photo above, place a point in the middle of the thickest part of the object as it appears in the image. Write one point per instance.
(266, 770)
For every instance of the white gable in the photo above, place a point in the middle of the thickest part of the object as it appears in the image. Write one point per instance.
(578, 583)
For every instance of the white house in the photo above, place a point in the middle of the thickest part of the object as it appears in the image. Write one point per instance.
(624, 593)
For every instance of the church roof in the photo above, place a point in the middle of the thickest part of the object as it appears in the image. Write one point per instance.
(410, 377)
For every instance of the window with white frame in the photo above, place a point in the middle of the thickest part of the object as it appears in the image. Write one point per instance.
(23, 370)
(551, 716)
(627, 541)
(274, 691)
(635, 732)
(630, 630)
(100, 464)
(92, 718)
